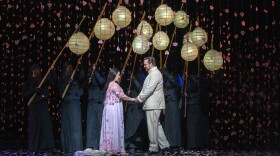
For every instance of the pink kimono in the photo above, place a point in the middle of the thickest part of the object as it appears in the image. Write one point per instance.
(112, 129)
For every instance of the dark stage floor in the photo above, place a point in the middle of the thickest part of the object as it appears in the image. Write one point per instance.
(206, 152)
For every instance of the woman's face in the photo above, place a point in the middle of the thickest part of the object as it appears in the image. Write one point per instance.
(118, 77)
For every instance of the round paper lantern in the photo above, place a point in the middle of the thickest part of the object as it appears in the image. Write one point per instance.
(104, 29)
(79, 43)
(189, 51)
(199, 36)
(160, 40)
(164, 15)
(181, 19)
(140, 44)
(121, 17)
(147, 30)
(187, 38)
(213, 60)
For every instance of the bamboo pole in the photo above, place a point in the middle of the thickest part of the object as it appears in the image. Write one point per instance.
(99, 17)
(72, 76)
(91, 36)
(54, 62)
(130, 49)
(174, 32)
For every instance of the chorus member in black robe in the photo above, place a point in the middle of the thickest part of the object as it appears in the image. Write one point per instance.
(135, 126)
(71, 122)
(172, 119)
(95, 107)
(40, 135)
(197, 120)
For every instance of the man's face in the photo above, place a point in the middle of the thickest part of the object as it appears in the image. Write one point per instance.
(147, 66)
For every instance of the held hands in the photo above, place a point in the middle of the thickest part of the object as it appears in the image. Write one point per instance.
(134, 100)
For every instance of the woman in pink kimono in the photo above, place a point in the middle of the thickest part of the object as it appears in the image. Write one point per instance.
(112, 129)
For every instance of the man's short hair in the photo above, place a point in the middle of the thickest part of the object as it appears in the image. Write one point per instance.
(151, 60)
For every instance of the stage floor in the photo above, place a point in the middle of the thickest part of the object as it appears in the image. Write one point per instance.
(207, 152)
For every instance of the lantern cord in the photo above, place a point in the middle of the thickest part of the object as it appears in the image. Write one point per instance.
(72, 76)
(54, 62)
(99, 17)
(130, 50)
(212, 41)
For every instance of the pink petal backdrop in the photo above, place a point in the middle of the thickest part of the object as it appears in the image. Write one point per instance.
(242, 92)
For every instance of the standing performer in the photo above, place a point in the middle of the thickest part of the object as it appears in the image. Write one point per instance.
(112, 129)
(135, 124)
(96, 95)
(153, 98)
(40, 135)
(71, 123)
(197, 120)
(172, 112)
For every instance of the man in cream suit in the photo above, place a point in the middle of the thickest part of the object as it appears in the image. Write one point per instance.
(153, 98)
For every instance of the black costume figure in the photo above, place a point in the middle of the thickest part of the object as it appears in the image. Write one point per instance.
(197, 113)
(172, 119)
(71, 122)
(95, 107)
(40, 135)
(135, 126)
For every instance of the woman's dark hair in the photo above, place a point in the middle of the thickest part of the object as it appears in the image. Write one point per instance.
(34, 67)
(111, 76)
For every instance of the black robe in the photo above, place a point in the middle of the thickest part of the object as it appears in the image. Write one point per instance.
(135, 125)
(40, 134)
(172, 119)
(95, 107)
(197, 120)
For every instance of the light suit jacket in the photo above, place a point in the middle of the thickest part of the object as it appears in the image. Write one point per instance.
(152, 92)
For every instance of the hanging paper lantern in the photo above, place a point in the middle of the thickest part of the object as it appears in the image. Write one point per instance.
(199, 36)
(121, 17)
(181, 19)
(213, 60)
(140, 44)
(189, 51)
(187, 38)
(104, 29)
(79, 43)
(160, 40)
(164, 15)
(147, 30)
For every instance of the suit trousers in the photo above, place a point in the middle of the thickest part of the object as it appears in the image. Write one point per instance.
(155, 131)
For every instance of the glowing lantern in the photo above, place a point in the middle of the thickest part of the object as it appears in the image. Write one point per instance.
(199, 36)
(104, 29)
(79, 43)
(164, 15)
(213, 60)
(147, 30)
(181, 19)
(189, 51)
(160, 40)
(140, 44)
(121, 17)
